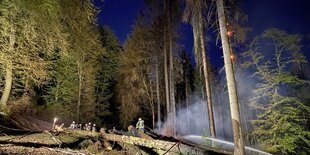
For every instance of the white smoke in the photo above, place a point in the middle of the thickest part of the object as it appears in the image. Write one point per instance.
(194, 119)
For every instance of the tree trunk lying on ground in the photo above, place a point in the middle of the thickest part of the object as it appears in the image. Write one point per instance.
(66, 138)
(13, 149)
(161, 146)
(66, 142)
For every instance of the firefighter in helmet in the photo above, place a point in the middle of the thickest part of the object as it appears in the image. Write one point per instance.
(72, 125)
(140, 125)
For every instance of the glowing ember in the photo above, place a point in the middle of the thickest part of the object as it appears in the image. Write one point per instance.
(232, 57)
(167, 131)
(229, 33)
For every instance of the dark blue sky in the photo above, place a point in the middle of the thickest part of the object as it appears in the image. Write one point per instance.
(119, 15)
(292, 16)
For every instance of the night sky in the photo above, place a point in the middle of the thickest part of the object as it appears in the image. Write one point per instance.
(292, 16)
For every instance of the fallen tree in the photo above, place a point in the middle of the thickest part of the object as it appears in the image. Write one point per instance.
(161, 146)
(67, 138)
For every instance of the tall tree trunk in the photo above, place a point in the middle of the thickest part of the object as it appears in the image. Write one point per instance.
(153, 114)
(8, 75)
(187, 105)
(206, 74)
(80, 74)
(221, 127)
(171, 72)
(166, 68)
(158, 97)
(196, 46)
(232, 91)
(152, 104)
(7, 86)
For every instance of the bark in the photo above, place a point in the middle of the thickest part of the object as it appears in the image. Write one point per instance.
(181, 146)
(149, 92)
(187, 105)
(7, 87)
(206, 74)
(9, 74)
(132, 149)
(232, 91)
(16, 149)
(152, 105)
(221, 127)
(171, 72)
(160, 146)
(80, 74)
(166, 71)
(196, 46)
(158, 97)
(65, 139)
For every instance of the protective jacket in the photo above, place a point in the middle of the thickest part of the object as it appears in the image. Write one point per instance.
(140, 125)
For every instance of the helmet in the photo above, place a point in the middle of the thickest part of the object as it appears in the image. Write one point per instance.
(140, 119)
(94, 125)
(73, 122)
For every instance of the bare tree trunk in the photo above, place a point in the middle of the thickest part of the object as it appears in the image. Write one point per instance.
(221, 127)
(187, 105)
(167, 94)
(80, 74)
(166, 70)
(171, 72)
(9, 75)
(202, 93)
(232, 91)
(206, 78)
(196, 46)
(158, 97)
(7, 86)
(152, 104)
(153, 115)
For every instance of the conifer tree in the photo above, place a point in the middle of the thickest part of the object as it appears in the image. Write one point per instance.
(78, 20)
(29, 33)
(107, 75)
(281, 124)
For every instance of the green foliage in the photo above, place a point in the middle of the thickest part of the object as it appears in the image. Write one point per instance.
(137, 71)
(61, 94)
(75, 92)
(206, 136)
(107, 74)
(133, 73)
(29, 34)
(198, 82)
(282, 124)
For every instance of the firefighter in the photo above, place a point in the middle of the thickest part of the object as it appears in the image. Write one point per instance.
(72, 126)
(94, 128)
(88, 128)
(140, 125)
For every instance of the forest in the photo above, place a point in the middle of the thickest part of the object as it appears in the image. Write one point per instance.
(56, 61)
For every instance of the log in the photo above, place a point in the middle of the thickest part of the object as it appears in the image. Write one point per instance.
(133, 149)
(13, 149)
(66, 138)
(138, 133)
(160, 146)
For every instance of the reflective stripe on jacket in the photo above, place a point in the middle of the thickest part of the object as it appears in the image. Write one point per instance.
(140, 125)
